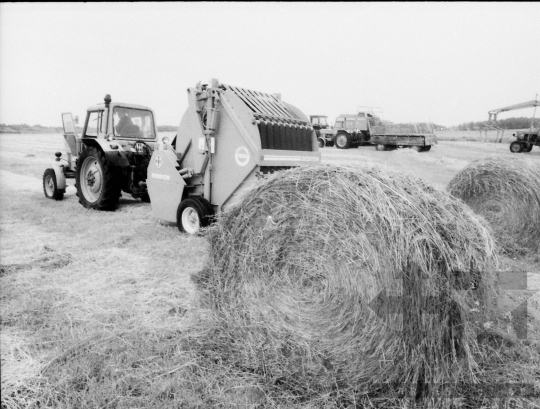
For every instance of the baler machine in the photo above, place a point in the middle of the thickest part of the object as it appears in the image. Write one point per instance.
(228, 137)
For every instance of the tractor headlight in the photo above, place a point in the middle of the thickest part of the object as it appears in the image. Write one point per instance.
(165, 139)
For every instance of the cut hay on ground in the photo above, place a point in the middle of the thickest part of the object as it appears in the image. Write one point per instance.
(506, 191)
(19, 374)
(339, 282)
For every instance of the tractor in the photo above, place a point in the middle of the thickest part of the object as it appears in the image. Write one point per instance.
(111, 155)
(228, 138)
(320, 124)
(367, 128)
(525, 140)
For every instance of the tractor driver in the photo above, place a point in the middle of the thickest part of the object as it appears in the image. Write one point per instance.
(123, 120)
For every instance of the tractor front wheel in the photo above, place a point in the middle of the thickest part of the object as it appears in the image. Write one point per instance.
(321, 143)
(50, 185)
(98, 182)
(516, 147)
(193, 213)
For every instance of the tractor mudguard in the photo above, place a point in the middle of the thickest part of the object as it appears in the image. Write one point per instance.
(116, 157)
(58, 167)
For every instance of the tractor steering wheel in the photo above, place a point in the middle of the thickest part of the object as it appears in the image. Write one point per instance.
(141, 147)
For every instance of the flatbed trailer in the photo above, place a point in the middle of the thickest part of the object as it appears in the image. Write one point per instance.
(388, 136)
(366, 128)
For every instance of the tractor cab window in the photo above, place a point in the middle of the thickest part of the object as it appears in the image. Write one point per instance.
(133, 123)
(93, 123)
(361, 115)
(339, 124)
(319, 120)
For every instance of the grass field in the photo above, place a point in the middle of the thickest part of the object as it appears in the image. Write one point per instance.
(95, 305)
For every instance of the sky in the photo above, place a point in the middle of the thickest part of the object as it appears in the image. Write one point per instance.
(447, 63)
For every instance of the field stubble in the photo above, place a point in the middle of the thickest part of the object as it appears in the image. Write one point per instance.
(96, 305)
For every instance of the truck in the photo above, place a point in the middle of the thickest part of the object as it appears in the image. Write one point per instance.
(228, 138)
(367, 128)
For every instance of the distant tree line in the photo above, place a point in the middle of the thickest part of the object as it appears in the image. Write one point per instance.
(24, 128)
(508, 123)
(167, 128)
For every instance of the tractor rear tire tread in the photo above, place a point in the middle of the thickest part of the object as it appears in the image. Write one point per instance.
(516, 147)
(112, 178)
(346, 145)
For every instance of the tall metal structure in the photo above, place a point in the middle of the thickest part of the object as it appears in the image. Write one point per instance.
(493, 124)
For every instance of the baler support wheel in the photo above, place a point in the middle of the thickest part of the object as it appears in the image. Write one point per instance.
(193, 213)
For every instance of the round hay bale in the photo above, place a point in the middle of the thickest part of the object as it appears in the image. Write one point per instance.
(330, 279)
(506, 192)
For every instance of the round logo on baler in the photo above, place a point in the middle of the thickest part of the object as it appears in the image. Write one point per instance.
(242, 156)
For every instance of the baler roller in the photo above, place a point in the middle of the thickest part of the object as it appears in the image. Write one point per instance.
(284, 136)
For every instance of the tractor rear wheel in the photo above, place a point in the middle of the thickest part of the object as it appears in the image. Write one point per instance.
(343, 141)
(50, 185)
(193, 213)
(516, 147)
(98, 182)
(527, 148)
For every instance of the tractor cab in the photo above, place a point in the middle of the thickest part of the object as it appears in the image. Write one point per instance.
(319, 121)
(119, 121)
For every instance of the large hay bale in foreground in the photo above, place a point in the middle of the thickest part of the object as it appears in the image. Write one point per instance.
(505, 191)
(335, 279)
